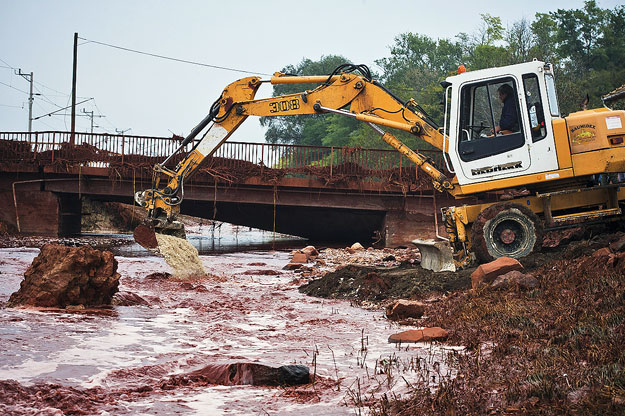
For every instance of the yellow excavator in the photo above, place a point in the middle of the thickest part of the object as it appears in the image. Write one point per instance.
(551, 162)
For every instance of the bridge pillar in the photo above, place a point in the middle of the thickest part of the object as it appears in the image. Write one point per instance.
(70, 211)
(401, 227)
(41, 212)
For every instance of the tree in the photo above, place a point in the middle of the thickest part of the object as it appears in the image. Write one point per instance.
(520, 41)
(543, 33)
(580, 33)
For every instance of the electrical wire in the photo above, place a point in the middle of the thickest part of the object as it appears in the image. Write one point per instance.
(17, 89)
(105, 118)
(171, 58)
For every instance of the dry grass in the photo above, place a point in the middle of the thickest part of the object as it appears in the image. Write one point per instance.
(558, 349)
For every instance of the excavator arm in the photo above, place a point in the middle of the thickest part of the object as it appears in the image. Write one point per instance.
(347, 94)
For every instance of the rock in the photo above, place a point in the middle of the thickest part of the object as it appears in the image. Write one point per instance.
(124, 298)
(159, 276)
(60, 276)
(515, 279)
(310, 251)
(420, 335)
(487, 273)
(404, 309)
(251, 374)
(267, 272)
(357, 247)
(299, 257)
(293, 266)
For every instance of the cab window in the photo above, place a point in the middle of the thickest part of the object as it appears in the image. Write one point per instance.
(490, 120)
(534, 108)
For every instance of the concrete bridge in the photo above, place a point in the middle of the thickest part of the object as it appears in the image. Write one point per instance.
(321, 193)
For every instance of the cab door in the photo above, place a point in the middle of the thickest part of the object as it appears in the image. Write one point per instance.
(483, 153)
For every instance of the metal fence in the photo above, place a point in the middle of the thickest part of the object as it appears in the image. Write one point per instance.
(104, 150)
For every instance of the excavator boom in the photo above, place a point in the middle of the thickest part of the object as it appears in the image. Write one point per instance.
(366, 99)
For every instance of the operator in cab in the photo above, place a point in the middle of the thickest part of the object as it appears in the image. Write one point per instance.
(509, 121)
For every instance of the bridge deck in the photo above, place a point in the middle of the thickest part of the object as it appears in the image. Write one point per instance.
(348, 189)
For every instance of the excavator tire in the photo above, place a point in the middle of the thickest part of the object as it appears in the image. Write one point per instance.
(506, 229)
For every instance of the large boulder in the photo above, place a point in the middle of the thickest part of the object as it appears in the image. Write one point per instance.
(61, 276)
(487, 273)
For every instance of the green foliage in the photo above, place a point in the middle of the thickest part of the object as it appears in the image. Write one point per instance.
(587, 46)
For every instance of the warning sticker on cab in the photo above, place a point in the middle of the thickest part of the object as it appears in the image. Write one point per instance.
(613, 122)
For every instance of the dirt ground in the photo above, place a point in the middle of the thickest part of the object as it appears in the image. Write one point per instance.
(553, 350)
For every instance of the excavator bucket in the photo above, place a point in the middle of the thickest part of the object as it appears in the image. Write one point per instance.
(436, 255)
(145, 234)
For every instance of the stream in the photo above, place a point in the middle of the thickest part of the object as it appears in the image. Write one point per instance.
(247, 310)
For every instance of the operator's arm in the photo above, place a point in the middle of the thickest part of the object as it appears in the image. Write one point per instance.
(509, 117)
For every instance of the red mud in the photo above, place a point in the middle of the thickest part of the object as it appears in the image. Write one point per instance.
(142, 358)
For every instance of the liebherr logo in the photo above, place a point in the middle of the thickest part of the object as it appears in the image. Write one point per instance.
(496, 168)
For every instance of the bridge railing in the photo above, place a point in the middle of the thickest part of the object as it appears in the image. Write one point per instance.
(104, 150)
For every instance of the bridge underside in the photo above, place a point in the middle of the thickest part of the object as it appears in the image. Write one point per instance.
(52, 206)
(313, 223)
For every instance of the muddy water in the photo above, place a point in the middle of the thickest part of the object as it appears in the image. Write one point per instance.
(119, 361)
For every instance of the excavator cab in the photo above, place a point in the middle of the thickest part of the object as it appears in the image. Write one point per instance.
(479, 151)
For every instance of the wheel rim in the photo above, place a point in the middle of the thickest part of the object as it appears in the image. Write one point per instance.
(509, 235)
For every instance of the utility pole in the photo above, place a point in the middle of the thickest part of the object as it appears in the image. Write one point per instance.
(120, 131)
(91, 116)
(29, 78)
(73, 133)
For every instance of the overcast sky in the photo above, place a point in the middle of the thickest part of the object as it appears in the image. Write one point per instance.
(156, 97)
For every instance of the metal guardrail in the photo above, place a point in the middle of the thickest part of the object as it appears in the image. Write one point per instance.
(104, 150)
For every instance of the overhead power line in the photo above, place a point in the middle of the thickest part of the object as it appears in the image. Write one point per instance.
(172, 59)
(11, 86)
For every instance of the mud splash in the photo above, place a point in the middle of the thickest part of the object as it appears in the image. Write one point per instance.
(180, 255)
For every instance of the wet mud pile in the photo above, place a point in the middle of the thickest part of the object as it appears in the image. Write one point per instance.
(370, 283)
(554, 349)
(62, 276)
